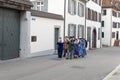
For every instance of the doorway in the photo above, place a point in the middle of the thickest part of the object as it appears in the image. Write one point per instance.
(117, 35)
(94, 38)
(9, 33)
(56, 35)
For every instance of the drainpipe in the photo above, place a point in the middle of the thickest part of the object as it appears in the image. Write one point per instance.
(85, 20)
(64, 19)
(111, 26)
(101, 27)
(111, 30)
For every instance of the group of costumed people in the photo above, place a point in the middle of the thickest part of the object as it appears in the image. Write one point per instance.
(72, 48)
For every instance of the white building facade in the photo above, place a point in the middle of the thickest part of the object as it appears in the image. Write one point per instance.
(110, 26)
(75, 18)
(93, 23)
(111, 23)
(41, 33)
(73, 12)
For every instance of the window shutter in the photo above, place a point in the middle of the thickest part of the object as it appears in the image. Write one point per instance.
(74, 30)
(68, 30)
(93, 15)
(78, 9)
(74, 7)
(82, 10)
(69, 6)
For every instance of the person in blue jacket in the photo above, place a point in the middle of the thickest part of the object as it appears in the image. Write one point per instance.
(79, 47)
(60, 48)
(76, 48)
(83, 48)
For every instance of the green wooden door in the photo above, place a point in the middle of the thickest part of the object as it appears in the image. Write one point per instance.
(10, 33)
(56, 37)
(0, 33)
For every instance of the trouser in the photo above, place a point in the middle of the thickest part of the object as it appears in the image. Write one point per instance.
(65, 52)
(83, 52)
(59, 54)
(69, 55)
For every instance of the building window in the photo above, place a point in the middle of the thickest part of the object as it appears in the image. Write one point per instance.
(114, 13)
(114, 25)
(71, 30)
(80, 31)
(99, 17)
(99, 33)
(33, 39)
(100, 2)
(102, 34)
(104, 12)
(89, 13)
(93, 15)
(72, 7)
(40, 5)
(80, 9)
(113, 34)
(102, 23)
(89, 35)
(118, 25)
(118, 14)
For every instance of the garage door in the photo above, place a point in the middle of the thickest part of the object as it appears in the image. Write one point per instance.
(9, 33)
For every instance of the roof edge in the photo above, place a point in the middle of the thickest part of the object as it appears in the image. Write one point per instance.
(46, 15)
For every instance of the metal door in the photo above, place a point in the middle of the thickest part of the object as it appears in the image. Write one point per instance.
(0, 33)
(56, 37)
(10, 33)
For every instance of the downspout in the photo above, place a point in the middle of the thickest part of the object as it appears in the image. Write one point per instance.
(111, 29)
(101, 27)
(85, 20)
(64, 19)
(111, 25)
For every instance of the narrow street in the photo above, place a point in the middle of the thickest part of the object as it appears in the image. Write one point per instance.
(95, 66)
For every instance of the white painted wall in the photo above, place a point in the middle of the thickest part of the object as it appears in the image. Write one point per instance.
(94, 24)
(115, 19)
(43, 28)
(92, 5)
(74, 19)
(107, 27)
(56, 6)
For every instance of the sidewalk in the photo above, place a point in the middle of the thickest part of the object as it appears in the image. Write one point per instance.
(114, 75)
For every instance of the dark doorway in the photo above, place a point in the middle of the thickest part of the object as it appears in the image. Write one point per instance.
(117, 35)
(94, 39)
(9, 33)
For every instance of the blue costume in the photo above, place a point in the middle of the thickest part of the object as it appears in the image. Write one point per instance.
(60, 49)
(76, 48)
(83, 48)
(79, 48)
